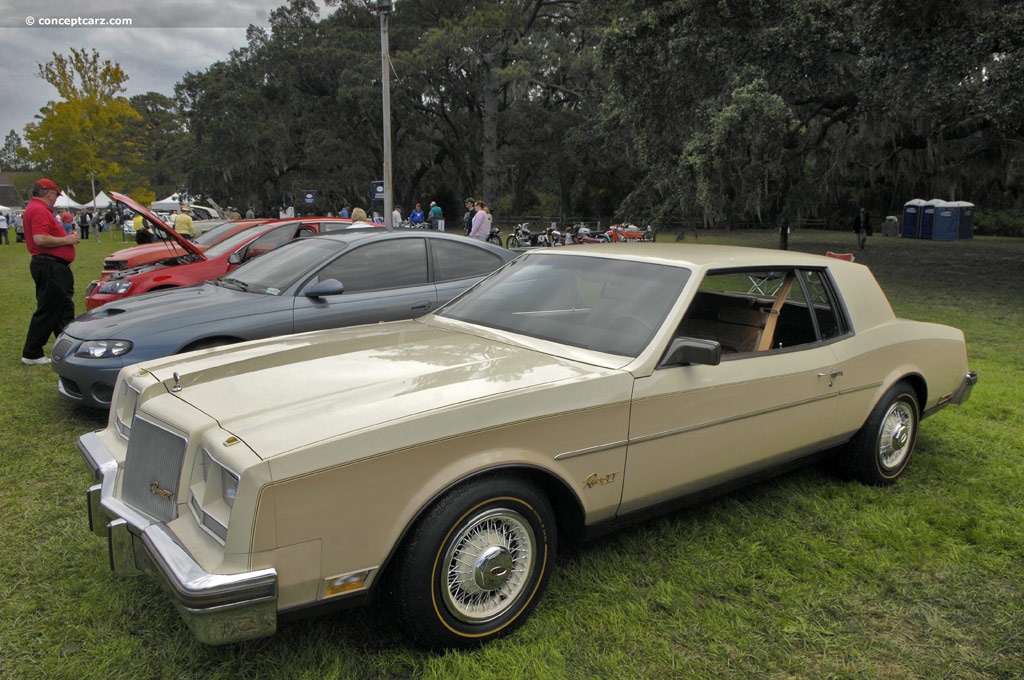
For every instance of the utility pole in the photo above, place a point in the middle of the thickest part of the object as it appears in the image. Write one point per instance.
(384, 8)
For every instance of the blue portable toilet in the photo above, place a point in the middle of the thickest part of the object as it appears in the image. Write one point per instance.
(965, 219)
(928, 218)
(944, 226)
(912, 210)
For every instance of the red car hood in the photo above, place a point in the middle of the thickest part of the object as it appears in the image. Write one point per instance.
(145, 212)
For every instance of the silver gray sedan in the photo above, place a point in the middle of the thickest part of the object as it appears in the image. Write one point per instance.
(321, 282)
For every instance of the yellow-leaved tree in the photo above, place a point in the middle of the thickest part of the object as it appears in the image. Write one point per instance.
(80, 137)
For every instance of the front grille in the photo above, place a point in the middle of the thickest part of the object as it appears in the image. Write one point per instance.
(152, 468)
(60, 350)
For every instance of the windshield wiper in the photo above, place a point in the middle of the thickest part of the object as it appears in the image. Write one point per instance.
(235, 283)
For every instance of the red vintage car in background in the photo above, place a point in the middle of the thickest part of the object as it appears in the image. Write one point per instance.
(167, 247)
(194, 264)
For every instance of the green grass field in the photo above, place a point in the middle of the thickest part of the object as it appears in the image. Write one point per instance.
(804, 576)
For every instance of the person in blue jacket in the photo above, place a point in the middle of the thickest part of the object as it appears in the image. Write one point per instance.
(416, 217)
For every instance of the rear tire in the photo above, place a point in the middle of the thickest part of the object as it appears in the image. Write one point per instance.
(879, 453)
(495, 239)
(475, 565)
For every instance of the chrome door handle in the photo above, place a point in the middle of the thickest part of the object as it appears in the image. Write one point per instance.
(833, 374)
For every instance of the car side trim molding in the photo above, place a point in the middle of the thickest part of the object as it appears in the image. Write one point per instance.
(721, 421)
(565, 455)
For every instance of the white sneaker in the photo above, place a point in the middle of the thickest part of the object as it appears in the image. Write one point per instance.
(35, 362)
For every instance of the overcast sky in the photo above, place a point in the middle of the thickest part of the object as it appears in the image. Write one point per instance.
(166, 39)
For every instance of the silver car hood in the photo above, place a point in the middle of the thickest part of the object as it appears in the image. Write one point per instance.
(289, 392)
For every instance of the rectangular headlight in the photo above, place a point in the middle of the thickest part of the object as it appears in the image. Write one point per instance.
(212, 493)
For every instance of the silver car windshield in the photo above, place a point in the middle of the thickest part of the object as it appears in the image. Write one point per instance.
(273, 272)
(602, 304)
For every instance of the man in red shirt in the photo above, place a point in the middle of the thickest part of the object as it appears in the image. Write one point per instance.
(53, 251)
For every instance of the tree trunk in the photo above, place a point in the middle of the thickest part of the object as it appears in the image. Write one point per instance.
(490, 136)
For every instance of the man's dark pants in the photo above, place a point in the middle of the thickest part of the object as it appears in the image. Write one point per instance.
(55, 302)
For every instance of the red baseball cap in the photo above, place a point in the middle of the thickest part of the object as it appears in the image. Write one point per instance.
(47, 184)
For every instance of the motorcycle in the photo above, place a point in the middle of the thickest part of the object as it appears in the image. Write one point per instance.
(580, 234)
(628, 233)
(495, 237)
(521, 236)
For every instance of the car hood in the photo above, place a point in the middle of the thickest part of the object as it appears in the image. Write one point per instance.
(286, 393)
(147, 252)
(148, 214)
(162, 311)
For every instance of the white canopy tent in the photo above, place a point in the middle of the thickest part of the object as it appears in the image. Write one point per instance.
(172, 202)
(65, 202)
(100, 201)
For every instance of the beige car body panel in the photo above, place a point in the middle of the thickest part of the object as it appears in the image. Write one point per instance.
(342, 438)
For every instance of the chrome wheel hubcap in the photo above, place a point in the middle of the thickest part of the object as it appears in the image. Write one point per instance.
(895, 436)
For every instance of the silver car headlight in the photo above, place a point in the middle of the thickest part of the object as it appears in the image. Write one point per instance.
(212, 492)
(118, 287)
(103, 349)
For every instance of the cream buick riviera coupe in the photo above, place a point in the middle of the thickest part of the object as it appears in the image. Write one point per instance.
(434, 463)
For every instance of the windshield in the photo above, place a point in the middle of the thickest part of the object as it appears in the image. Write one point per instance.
(232, 243)
(602, 304)
(275, 271)
(219, 232)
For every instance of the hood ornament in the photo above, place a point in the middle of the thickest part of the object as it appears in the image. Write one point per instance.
(177, 383)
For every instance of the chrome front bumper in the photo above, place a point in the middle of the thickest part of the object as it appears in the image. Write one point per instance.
(218, 608)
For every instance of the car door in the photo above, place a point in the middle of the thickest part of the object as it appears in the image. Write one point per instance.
(696, 426)
(384, 280)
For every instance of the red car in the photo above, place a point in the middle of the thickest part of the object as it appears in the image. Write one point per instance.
(166, 247)
(194, 264)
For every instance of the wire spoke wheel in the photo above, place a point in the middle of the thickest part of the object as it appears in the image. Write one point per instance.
(475, 565)
(488, 565)
(895, 436)
(879, 453)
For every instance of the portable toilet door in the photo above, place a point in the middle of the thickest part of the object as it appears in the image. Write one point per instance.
(928, 218)
(911, 227)
(944, 226)
(965, 220)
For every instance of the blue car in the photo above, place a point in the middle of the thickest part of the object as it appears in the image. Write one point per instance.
(327, 281)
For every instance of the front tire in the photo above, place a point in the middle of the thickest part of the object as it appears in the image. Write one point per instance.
(881, 450)
(475, 564)
(512, 241)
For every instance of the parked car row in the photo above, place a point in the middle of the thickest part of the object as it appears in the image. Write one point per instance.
(350, 277)
(434, 461)
(177, 262)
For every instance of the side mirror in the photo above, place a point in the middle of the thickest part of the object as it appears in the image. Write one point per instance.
(325, 288)
(235, 258)
(688, 351)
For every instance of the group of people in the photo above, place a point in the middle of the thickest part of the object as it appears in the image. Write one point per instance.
(476, 222)
(418, 219)
(8, 221)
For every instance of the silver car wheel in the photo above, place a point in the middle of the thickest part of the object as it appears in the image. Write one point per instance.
(488, 565)
(895, 436)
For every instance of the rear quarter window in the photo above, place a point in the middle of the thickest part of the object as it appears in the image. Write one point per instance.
(453, 260)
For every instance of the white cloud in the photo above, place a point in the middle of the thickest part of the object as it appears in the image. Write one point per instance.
(166, 40)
